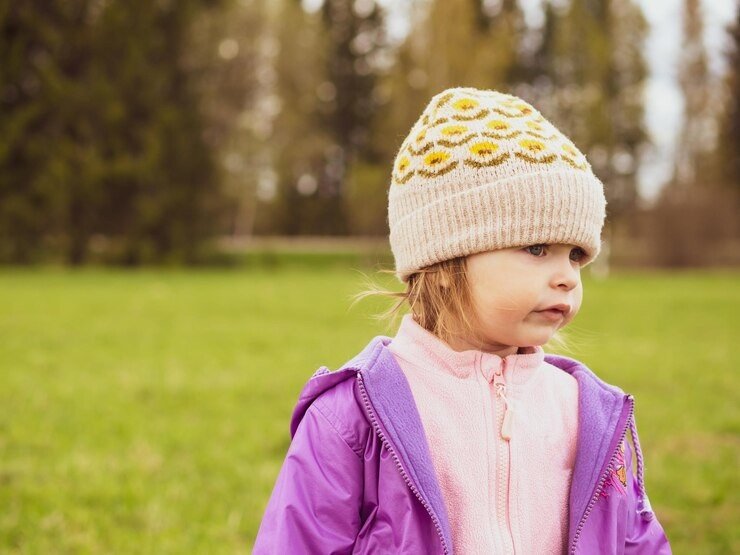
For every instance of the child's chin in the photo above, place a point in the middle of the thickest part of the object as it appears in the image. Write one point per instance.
(539, 339)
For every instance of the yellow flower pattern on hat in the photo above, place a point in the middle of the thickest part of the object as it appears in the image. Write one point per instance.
(571, 155)
(435, 163)
(498, 125)
(535, 152)
(454, 130)
(484, 153)
(481, 129)
(465, 104)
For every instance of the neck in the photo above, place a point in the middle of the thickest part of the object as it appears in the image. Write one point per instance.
(461, 344)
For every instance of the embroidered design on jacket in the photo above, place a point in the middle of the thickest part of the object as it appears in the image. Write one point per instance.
(617, 478)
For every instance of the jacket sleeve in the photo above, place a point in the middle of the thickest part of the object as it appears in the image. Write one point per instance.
(315, 503)
(645, 535)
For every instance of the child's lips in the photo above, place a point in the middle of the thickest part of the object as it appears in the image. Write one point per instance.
(552, 314)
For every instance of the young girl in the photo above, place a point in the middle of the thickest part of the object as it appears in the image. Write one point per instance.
(459, 434)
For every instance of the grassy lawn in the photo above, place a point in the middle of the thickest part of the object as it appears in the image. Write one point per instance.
(147, 411)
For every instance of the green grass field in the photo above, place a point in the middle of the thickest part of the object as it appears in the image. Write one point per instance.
(147, 411)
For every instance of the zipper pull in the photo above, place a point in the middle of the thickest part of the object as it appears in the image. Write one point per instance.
(500, 385)
(506, 425)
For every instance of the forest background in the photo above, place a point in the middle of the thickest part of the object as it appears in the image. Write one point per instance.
(166, 132)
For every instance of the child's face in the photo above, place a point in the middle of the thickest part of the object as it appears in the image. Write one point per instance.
(509, 287)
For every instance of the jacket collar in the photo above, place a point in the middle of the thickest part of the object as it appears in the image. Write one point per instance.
(416, 344)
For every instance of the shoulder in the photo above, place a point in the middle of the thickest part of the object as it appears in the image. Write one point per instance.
(335, 397)
(341, 407)
(337, 408)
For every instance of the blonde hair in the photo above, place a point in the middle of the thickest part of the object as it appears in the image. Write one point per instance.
(438, 297)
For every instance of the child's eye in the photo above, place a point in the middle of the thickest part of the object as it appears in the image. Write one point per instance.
(580, 254)
(528, 249)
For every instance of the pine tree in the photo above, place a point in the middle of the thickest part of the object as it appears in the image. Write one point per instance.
(101, 131)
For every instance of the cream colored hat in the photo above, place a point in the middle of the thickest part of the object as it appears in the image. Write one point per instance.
(483, 170)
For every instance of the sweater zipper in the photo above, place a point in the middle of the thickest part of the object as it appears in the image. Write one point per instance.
(604, 476)
(504, 450)
(500, 385)
(396, 459)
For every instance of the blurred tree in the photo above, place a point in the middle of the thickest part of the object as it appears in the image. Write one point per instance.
(101, 131)
(30, 202)
(162, 206)
(468, 43)
(541, 67)
(231, 58)
(695, 138)
(328, 66)
(630, 139)
(729, 142)
(715, 161)
(356, 37)
(288, 180)
(694, 221)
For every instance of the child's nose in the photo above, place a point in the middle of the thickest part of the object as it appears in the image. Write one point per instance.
(567, 275)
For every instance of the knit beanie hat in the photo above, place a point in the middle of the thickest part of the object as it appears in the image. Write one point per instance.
(483, 170)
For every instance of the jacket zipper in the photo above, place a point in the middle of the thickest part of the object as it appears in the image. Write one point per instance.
(386, 443)
(603, 477)
(503, 443)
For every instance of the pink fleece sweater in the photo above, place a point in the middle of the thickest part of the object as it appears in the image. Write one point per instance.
(502, 495)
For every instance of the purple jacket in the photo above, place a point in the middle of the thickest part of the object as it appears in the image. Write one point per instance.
(358, 476)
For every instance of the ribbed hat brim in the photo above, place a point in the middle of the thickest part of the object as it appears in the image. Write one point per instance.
(554, 207)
